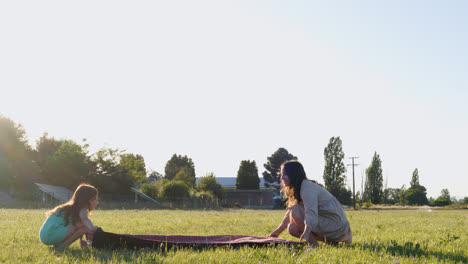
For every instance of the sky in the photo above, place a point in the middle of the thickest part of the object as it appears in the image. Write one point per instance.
(226, 81)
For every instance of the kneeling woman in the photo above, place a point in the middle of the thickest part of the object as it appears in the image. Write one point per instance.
(313, 213)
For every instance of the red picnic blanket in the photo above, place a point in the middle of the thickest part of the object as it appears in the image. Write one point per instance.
(101, 239)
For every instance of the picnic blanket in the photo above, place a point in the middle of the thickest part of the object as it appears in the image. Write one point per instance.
(106, 240)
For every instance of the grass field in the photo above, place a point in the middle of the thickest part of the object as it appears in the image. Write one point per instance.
(385, 236)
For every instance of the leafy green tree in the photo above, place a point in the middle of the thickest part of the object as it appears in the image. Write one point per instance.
(17, 170)
(444, 195)
(6, 177)
(416, 194)
(175, 190)
(68, 166)
(415, 178)
(334, 171)
(45, 148)
(402, 195)
(272, 173)
(208, 183)
(154, 176)
(391, 195)
(247, 175)
(135, 164)
(186, 178)
(109, 176)
(443, 199)
(374, 181)
(176, 164)
(465, 200)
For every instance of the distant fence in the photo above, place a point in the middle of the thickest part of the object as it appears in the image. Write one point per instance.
(41, 199)
(127, 201)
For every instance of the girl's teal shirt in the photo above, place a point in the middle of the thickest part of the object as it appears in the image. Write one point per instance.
(54, 230)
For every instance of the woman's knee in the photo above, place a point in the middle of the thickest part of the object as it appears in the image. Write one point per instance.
(297, 215)
(294, 230)
(347, 238)
(297, 211)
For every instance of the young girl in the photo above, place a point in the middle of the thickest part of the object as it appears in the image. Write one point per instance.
(69, 221)
(313, 213)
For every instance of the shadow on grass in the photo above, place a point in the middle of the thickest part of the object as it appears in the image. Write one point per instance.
(409, 249)
(155, 254)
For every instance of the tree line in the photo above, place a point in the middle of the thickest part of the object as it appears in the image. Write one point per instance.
(64, 162)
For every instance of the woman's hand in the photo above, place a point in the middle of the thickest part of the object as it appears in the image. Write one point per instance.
(308, 237)
(275, 233)
(305, 236)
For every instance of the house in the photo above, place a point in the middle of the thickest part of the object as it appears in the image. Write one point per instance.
(230, 182)
(260, 198)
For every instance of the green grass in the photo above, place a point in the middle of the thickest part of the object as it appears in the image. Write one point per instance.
(385, 236)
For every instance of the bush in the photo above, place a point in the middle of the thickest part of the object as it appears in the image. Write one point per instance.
(174, 190)
(209, 184)
(440, 202)
(149, 189)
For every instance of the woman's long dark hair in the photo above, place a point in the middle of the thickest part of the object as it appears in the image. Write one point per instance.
(84, 193)
(296, 174)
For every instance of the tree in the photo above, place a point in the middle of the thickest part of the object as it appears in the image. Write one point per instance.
(415, 178)
(208, 183)
(176, 164)
(334, 171)
(65, 163)
(272, 173)
(45, 147)
(444, 195)
(17, 170)
(154, 176)
(135, 164)
(247, 175)
(465, 200)
(402, 195)
(186, 178)
(443, 199)
(374, 182)
(109, 176)
(391, 195)
(345, 196)
(416, 194)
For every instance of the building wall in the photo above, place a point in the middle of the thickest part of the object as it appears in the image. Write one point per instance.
(249, 198)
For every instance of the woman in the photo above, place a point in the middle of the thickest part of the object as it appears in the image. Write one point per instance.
(313, 213)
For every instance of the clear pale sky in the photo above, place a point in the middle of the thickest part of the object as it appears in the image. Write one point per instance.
(225, 81)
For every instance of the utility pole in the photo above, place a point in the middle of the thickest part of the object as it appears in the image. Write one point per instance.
(354, 194)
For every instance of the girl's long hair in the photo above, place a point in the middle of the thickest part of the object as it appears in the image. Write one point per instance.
(84, 193)
(296, 174)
